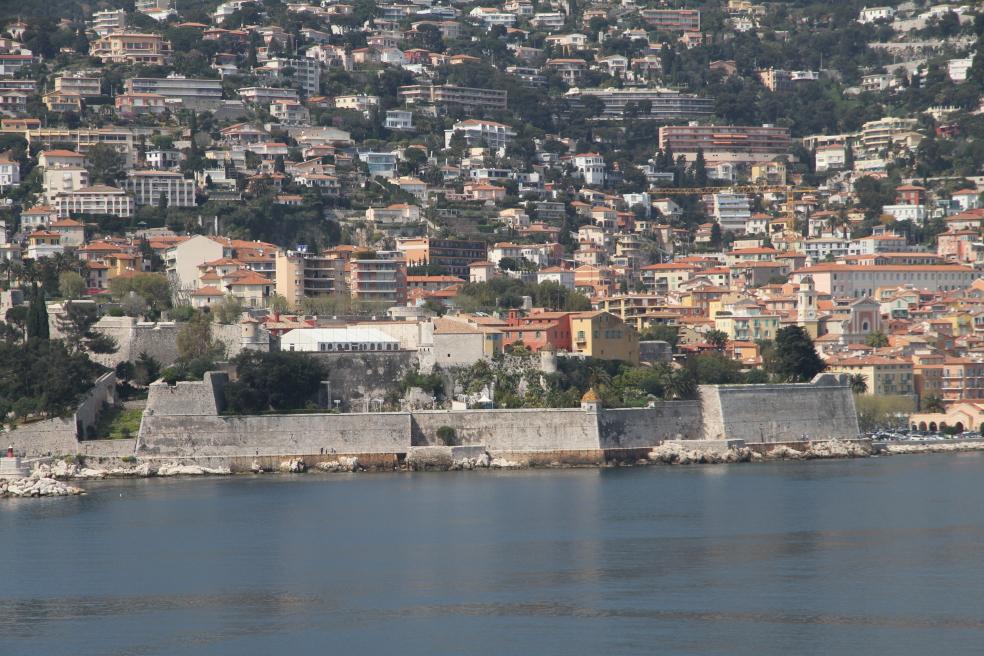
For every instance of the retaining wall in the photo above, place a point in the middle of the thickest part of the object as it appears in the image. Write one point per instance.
(634, 428)
(819, 410)
(60, 435)
(510, 430)
(272, 435)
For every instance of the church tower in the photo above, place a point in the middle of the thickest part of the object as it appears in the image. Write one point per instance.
(806, 306)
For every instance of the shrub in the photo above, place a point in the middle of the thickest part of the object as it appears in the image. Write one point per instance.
(447, 434)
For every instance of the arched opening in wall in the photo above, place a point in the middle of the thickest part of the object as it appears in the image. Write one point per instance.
(922, 426)
(959, 427)
(914, 427)
(942, 426)
(864, 326)
(932, 426)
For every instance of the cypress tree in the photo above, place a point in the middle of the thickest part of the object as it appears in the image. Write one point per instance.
(700, 169)
(37, 315)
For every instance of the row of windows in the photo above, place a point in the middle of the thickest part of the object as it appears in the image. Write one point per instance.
(338, 347)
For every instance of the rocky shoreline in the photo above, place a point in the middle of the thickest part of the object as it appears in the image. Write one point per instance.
(47, 479)
(37, 485)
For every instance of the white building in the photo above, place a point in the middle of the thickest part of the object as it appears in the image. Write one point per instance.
(98, 199)
(563, 277)
(108, 21)
(305, 74)
(358, 102)
(820, 248)
(872, 14)
(479, 133)
(957, 69)
(9, 172)
(490, 16)
(732, 211)
(915, 213)
(591, 166)
(337, 340)
(398, 119)
(831, 157)
(80, 82)
(265, 95)
(192, 93)
(63, 180)
(147, 188)
(290, 112)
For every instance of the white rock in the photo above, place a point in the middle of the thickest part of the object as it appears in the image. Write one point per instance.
(175, 469)
(293, 466)
(501, 463)
(343, 464)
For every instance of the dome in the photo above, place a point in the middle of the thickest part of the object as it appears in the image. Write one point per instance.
(590, 396)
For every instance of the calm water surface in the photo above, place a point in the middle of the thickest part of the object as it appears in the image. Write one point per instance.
(879, 556)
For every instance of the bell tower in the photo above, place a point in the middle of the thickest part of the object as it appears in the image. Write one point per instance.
(806, 306)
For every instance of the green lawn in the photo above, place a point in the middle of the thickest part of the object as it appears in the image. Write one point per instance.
(118, 423)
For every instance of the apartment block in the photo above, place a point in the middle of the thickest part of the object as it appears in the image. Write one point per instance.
(672, 20)
(198, 94)
(87, 85)
(379, 280)
(300, 275)
(98, 199)
(129, 48)
(487, 134)
(452, 255)
(148, 187)
(663, 103)
(448, 94)
(736, 144)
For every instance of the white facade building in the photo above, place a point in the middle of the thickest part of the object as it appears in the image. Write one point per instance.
(732, 211)
(9, 172)
(98, 199)
(337, 340)
(479, 133)
(148, 186)
(591, 166)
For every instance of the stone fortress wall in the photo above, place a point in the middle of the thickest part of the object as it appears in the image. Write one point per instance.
(820, 409)
(61, 435)
(185, 421)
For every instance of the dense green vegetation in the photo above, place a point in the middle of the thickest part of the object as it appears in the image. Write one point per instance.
(42, 378)
(505, 293)
(278, 381)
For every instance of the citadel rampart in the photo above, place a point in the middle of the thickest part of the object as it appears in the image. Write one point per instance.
(820, 409)
(61, 435)
(185, 422)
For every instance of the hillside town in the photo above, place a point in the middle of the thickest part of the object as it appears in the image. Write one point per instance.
(663, 194)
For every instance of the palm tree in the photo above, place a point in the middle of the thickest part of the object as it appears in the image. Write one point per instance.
(859, 383)
(681, 385)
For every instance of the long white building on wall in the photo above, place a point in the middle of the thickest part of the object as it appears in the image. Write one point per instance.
(337, 340)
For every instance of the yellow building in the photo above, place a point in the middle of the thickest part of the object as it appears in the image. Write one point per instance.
(308, 275)
(745, 321)
(603, 335)
(884, 376)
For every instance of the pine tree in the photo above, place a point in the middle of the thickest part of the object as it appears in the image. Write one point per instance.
(795, 358)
